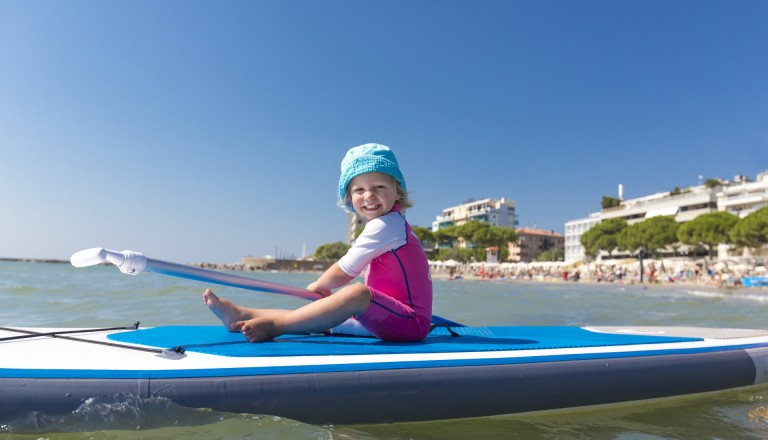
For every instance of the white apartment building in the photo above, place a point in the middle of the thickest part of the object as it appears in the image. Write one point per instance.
(686, 205)
(496, 212)
(354, 222)
(744, 196)
(740, 197)
(574, 251)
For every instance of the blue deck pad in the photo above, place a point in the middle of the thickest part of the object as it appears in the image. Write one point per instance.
(218, 341)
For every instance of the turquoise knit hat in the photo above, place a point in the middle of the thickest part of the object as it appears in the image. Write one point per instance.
(363, 159)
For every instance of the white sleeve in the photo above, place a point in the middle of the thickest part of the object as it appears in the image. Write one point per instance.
(380, 235)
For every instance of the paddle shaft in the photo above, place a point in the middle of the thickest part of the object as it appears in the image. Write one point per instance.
(131, 262)
(226, 279)
(232, 280)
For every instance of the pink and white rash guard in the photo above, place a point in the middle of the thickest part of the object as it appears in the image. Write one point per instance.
(398, 278)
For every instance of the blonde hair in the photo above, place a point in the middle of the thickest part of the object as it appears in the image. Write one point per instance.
(402, 195)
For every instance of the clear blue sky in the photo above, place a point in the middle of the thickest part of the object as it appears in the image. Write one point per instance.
(205, 131)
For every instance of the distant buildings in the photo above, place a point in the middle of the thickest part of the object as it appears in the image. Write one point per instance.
(496, 212)
(741, 197)
(531, 242)
(354, 222)
(574, 251)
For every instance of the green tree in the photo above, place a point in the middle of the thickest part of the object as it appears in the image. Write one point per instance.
(752, 230)
(425, 235)
(500, 237)
(602, 237)
(427, 239)
(454, 253)
(331, 251)
(476, 236)
(472, 232)
(708, 230)
(551, 255)
(610, 202)
(481, 235)
(652, 235)
(445, 237)
(712, 183)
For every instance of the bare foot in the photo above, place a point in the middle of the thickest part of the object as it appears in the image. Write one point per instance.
(228, 312)
(258, 329)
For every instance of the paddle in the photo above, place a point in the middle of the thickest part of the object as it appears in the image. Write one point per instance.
(134, 263)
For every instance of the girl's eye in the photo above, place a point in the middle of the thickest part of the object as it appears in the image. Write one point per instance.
(377, 188)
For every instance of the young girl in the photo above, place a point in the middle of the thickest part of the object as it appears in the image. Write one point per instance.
(395, 303)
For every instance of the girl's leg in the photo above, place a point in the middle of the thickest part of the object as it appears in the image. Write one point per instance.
(317, 316)
(230, 313)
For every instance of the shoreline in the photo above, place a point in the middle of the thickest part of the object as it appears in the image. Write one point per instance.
(727, 273)
(444, 276)
(731, 283)
(34, 260)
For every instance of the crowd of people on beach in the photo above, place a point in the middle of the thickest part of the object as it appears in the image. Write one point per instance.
(670, 271)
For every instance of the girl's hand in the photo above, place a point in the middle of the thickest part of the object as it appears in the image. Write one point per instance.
(313, 287)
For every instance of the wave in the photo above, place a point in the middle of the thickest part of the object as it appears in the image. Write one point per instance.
(19, 289)
(759, 297)
(116, 412)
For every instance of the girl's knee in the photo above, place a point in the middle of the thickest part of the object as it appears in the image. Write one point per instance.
(361, 289)
(357, 293)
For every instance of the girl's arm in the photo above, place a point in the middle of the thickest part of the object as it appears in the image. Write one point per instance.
(330, 279)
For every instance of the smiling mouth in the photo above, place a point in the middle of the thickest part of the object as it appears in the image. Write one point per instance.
(371, 207)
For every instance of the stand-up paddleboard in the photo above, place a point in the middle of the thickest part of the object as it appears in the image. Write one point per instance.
(456, 372)
(327, 379)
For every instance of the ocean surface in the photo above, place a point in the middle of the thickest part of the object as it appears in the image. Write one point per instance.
(59, 295)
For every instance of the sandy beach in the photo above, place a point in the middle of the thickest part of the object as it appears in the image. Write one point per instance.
(727, 274)
(685, 272)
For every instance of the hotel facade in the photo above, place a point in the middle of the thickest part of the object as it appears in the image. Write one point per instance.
(502, 213)
(740, 197)
(496, 212)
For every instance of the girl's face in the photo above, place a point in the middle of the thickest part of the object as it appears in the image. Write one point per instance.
(373, 194)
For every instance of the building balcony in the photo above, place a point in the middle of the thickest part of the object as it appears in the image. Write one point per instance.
(684, 216)
(745, 200)
(671, 200)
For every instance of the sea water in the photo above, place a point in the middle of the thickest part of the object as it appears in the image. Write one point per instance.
(59, 295)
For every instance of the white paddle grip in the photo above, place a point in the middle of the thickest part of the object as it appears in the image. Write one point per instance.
(133, 262)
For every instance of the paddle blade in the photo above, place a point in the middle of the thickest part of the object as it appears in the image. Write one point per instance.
(89, 257)
(129, 262)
